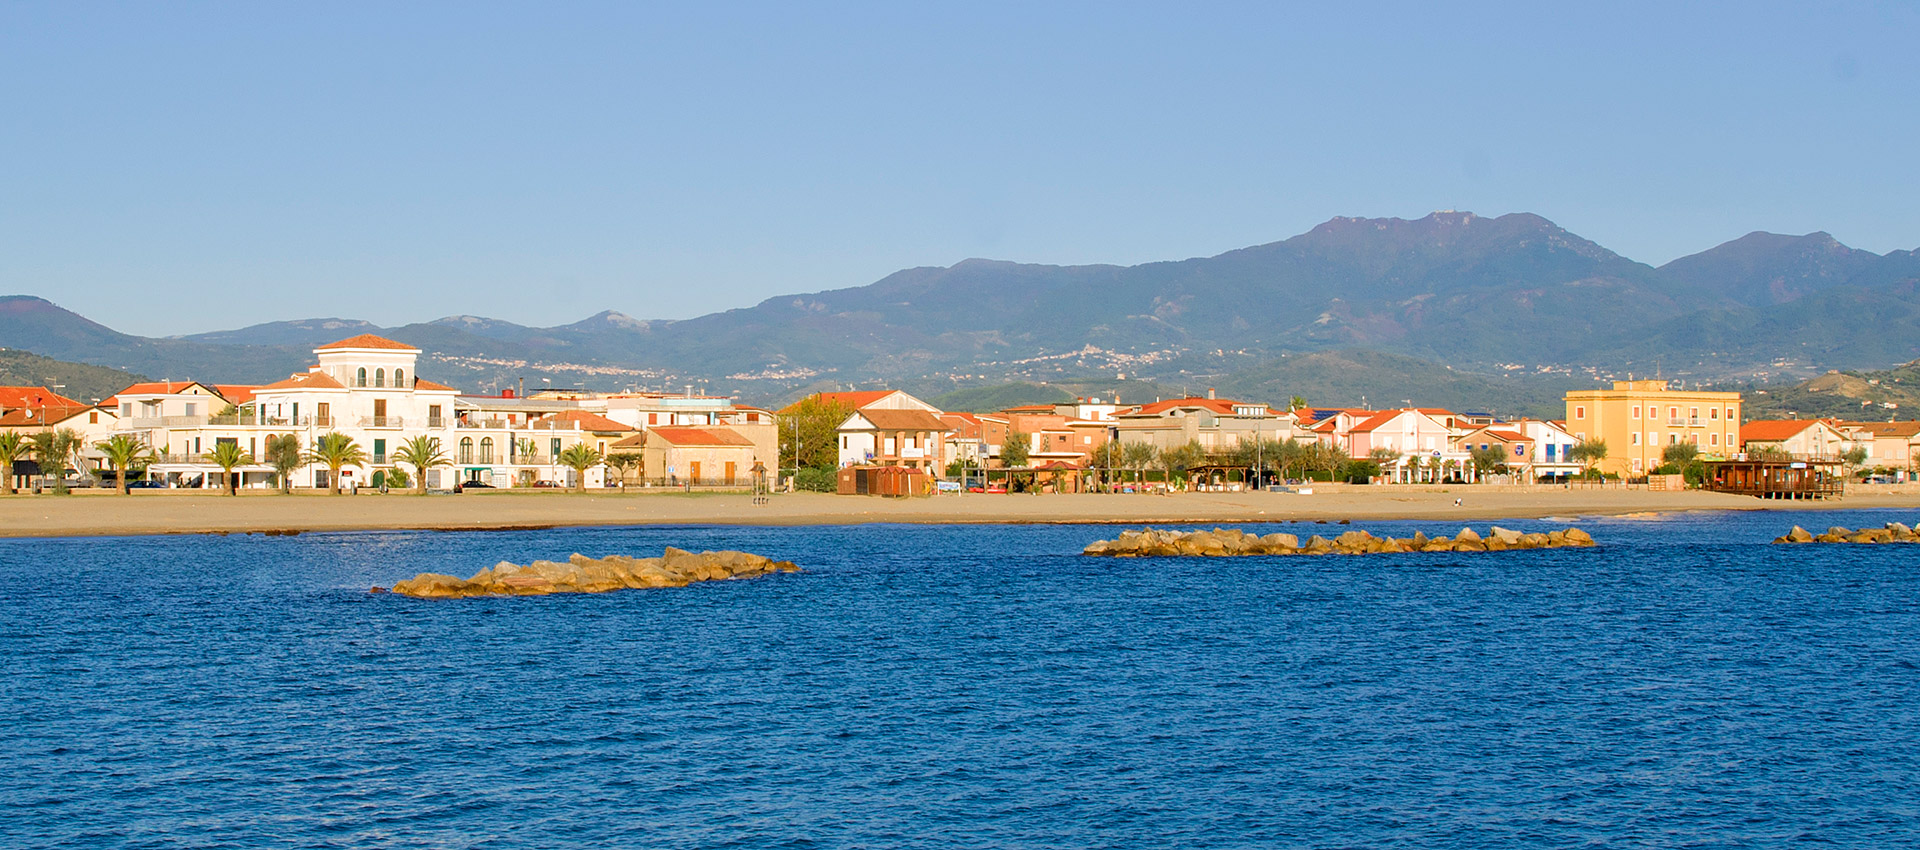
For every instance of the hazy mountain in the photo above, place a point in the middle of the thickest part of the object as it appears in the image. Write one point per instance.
(1490, 297)
(40, 326)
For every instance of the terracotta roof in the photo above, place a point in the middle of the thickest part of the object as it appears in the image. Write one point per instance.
(1888, 429)
(1375, 421)
(1028, 408)
(367, 341)
(856, 400)
(1217, 405)
(27, 417)
(1509, 436)
(1771, 430)
(701, 436)
(424, 384)
(12, 397)
(904, 420)
(588, 421)
(311, 380)
(634, 442)
(236, 393)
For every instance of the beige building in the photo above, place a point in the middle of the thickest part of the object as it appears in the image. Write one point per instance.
(1639, 419)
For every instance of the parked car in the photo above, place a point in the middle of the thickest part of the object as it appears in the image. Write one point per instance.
(471, 485)
(545, 485)
(147, 484)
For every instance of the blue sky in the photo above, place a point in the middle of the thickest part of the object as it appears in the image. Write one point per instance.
(175, 168)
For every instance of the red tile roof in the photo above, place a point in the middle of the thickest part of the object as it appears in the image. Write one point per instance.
(588, 421)
(905, 420)
(28, 417)
(1773, 430)
(424, 384)
(311, 380)
(701, 436)
(1217, 405)
(1376, 421)
(12, 397)
(367, 341)
(236, 393)
(856, 400)
(153, 388)
(1509, 436)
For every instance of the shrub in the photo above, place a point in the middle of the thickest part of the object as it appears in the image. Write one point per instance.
(817, 480)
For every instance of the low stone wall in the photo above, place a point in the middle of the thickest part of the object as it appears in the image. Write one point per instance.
(1894, 532)
(1234, 542)
(581, 574)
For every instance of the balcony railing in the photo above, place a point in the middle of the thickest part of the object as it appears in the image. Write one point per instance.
(481, 423)
(436, 422)
(378, 458)
(166, 421)
(382, 422)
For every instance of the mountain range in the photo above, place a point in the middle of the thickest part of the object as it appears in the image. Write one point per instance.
(1508, 307)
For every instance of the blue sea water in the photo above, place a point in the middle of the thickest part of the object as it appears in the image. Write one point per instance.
(1684, 685)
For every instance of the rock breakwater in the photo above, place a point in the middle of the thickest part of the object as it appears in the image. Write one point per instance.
(1229, 542)
(581, 574)
(1894, 532)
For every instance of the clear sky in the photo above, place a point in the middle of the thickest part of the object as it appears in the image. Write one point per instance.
(172, 168)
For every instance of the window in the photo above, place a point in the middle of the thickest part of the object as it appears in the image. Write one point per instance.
(556, 446)
(1634, 439)
(653, 419)
(192, 409)
(1673, 439)
(1713, 439)
(466, 450)
(1636, 411)
(1713, 413)
(843, 442)
(1579, 413)
(379, 377)
(1693, 413)
(400, 378)
(93, 418)
(1653, 438)
(1673, 413)
(486, 449)
(361, 379)
(1731, 415)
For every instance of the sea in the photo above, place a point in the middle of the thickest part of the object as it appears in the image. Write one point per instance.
(1684, 684)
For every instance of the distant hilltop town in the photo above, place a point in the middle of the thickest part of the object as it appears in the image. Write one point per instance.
(363, 417)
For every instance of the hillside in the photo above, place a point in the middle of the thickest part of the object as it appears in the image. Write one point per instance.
(79, 381)
(1472, 301)
(1842, 395)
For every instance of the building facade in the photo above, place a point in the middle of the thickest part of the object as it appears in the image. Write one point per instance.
(1639, 419)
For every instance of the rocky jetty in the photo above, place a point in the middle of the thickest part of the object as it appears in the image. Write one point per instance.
(1894, 533)
(581, 574)
(1228, 542)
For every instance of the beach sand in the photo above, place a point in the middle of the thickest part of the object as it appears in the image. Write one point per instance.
(191, 512)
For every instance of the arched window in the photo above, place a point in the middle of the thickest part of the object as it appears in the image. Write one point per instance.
(486, 449)
(400, 379)
(379, 377)
(361, 381)
(466, 449)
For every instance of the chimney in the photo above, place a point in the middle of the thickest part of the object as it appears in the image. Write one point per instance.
(1209, 393)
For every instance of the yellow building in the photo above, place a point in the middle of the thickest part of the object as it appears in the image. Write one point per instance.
(1639, 419)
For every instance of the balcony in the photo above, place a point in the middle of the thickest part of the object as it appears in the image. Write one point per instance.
(436, 422)
(382, 422)
(378, 458)
(481, 423)
(166, 422)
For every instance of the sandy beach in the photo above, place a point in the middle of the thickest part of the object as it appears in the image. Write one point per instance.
(107, 514)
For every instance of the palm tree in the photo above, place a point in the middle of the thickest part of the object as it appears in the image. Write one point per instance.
(1297, 403)
(13, 447)
(422, 453)
(227, 456)
(336, 450)
(580, 457)
(283, 454)
(123, 453)
(53, 449)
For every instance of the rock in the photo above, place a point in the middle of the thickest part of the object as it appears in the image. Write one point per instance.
(1496, 544)
(1467, 535)
(1317, 545)
(1535, 540)
(1218, 542)
(1279, 544)
(1505, 535)
(581, 574)
(1799, 535)
(1576, 537)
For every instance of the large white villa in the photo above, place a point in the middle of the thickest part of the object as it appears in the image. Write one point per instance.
(368, 388)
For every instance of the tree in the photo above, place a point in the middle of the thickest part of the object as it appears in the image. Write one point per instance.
(1679, 454)
(123, 453)
(1853, 458)
(227, 456)
(1297, 403)
(422, 453)
(397, 478)
(283, 454)
(53, 450)
(13, 446)
(810, 433)
(1179, 460)
(621, 462)
(1385, 458)
(1109, 456)
(1139, 456)
(1014, 452)
(1490, 458)
(1589, 454)
(335, 450)
(1767, 452)
(580, 457)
